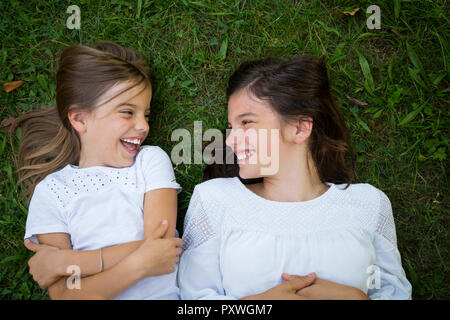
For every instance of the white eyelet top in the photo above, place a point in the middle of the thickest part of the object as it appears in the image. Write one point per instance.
(101, 207)
(237, 243)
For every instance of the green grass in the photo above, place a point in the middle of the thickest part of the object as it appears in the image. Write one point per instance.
(400, 135)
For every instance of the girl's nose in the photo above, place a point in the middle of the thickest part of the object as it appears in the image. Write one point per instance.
(142, 125)
(234, 138)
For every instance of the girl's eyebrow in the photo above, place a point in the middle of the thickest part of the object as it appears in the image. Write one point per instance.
(126, 104)
(247, 114)
(131, 105)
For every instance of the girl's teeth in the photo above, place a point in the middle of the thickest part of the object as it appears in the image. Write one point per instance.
(135, 141)
(245, 156)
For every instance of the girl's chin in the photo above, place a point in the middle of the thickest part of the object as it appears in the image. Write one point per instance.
(247, 173)
(125, 159)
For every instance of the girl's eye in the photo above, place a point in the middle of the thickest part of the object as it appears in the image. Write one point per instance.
(127, 112)
(244, 122)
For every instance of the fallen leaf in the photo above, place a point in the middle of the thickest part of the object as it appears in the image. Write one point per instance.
(10, 86)
(358, 102)
(351, 13)
(6, 124)
(396, 32)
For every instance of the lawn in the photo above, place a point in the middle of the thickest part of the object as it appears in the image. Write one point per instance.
(392, 84)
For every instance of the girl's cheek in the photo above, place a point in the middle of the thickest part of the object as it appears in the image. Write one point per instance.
(251, 137)
(122, 124)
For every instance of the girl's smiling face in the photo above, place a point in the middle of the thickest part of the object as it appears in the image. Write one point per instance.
(254, 137)
(112, 133)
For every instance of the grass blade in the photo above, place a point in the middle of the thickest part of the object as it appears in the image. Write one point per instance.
(369, 84)
(417, 63)
(410, 116)
(139, 8)
(223, 49)
(396, 8)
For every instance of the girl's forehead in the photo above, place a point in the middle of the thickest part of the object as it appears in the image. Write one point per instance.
(244, 102)
(124, 92)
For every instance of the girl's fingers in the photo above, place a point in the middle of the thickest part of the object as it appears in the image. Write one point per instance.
(287, 277)
(30, 245)
(297, 282)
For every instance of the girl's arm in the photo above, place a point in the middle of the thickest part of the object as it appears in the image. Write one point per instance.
(105, 285)
(390, 280)
(51, 264)
(159, 205)
(154, 257)
(327, 290)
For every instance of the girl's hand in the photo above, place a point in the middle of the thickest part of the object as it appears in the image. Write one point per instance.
(286, 290)
(157, 255)
(328, 290)
(46, 263)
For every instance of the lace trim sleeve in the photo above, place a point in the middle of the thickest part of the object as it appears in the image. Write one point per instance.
(386, 224)
(198, 227)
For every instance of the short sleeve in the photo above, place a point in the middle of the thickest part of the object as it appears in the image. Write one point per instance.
(157, 169)
(199, 274)
(392, 284)
(44, 214)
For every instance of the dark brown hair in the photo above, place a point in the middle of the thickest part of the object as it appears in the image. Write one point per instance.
(293, 88)
(84, 74)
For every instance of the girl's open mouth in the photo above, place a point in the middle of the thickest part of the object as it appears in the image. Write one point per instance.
(130, 145)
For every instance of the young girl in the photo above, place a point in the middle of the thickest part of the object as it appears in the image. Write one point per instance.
(95, 186)
(247, 232)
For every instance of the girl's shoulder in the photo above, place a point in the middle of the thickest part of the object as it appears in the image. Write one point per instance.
(52, 188)
(57, 177)
(377, 213)
(151, 153)
(368, 203)
(217, 188)
(148, 148)
(215, 196)
(363, 192)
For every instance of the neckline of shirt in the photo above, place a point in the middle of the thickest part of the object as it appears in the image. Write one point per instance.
(74, 167)
(316, 200)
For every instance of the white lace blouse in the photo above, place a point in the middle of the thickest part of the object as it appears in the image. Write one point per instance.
(236, 243)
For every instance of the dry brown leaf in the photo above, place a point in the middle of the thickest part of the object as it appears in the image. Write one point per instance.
(356, 101)
(10, 86)
(351, 13)
(6, 124)
(396, 32)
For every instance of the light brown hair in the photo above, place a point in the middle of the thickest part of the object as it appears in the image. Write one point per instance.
(84, 74)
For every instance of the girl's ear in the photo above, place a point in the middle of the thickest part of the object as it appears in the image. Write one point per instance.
(304, 128)
(78, 119)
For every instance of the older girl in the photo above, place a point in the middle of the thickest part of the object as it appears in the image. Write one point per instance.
(248, 232)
